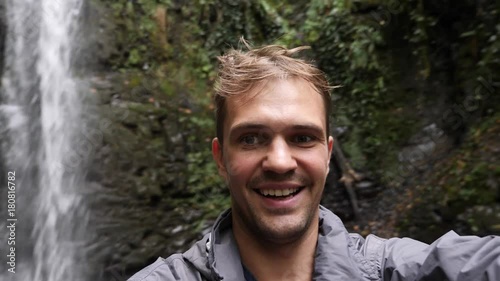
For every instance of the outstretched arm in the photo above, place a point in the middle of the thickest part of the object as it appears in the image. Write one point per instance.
(451, 257)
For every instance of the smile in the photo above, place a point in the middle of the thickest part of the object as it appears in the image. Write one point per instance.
(279, 193)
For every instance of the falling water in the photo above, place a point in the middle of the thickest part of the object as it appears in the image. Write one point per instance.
(40, 111)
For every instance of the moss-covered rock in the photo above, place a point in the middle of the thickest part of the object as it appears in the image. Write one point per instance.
(461, 193)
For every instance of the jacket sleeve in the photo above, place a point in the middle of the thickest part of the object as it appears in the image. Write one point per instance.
(451, 257)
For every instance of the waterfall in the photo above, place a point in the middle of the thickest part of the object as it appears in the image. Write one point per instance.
(40, 115)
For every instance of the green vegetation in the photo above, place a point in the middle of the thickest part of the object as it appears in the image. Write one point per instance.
(392, 59)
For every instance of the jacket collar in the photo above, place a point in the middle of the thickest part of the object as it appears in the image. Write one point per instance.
(336, 255)
(224, 257)
(216, 256)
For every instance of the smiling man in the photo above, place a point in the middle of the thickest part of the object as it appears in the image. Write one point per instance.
(273, 149)
(274, 152)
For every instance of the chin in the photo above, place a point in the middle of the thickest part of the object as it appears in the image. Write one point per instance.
(283, 231)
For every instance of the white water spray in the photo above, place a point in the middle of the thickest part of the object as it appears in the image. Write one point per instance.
(40, 113)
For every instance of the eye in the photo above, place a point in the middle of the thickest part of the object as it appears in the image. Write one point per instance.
(303, 139)
(249, 139)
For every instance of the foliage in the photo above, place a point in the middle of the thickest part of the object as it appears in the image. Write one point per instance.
(137, 23)
(348, 45)
(370, 48)
(359, 45)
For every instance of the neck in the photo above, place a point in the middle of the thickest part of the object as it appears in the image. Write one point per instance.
(268, 260)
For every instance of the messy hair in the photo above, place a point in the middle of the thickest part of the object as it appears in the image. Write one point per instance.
(241, 71)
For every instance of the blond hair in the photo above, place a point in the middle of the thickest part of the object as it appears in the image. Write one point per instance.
(241, 71)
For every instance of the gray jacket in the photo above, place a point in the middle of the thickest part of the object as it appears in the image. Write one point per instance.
(342, 256)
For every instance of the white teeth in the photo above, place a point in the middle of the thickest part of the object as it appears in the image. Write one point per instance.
(278, 192)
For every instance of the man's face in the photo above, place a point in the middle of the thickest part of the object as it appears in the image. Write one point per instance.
(275, 159)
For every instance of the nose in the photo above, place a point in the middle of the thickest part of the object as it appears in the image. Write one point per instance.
(279, 157)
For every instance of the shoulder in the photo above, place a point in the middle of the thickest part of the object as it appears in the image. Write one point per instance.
(174, 267)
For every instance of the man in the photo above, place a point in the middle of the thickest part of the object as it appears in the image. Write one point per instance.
(273, 149)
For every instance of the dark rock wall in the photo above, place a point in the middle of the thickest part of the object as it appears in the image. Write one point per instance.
(138, 174)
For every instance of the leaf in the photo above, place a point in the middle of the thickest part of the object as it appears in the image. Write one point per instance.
(468, 33)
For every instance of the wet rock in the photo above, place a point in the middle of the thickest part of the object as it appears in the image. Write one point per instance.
(177, 229)
(138, 169)
(424, 148)
(367, 189)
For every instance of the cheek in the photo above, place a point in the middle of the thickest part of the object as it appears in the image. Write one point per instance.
(240, 168)
(234, 169)
(319, 168)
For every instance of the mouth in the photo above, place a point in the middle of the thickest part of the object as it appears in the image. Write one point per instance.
(279, 194)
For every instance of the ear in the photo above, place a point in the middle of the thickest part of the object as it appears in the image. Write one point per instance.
(330, 149)
(217, 155)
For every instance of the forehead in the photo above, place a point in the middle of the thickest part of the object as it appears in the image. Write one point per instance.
(277, 103)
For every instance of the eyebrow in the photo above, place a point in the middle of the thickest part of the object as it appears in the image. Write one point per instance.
(317, 130)
(258, 126)
(309, 126)
(245, 126)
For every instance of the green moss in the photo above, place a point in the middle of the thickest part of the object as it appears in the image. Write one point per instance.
(147, 109)
(458, 187)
